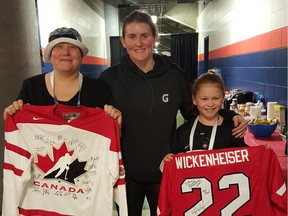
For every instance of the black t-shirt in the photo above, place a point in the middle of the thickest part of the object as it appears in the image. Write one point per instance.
(94, 93)
(223, 139)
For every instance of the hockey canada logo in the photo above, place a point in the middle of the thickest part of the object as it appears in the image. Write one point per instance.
(61, 165)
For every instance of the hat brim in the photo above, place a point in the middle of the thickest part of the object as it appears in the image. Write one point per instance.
(53, 43)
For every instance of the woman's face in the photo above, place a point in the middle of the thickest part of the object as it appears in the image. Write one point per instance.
(208, 99)
(66, 57)
(139, 42)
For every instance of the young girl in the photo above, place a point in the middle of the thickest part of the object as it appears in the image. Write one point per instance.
(191, 184)
(208, 129)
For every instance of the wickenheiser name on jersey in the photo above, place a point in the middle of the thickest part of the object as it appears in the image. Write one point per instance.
(212, 159)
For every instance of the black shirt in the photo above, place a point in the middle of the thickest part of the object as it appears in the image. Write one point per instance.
(94, 93)
(223, 139)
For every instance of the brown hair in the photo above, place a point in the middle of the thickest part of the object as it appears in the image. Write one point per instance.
(139, 16)
(209, 77)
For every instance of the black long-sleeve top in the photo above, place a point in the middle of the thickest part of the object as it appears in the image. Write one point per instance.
(149, 103)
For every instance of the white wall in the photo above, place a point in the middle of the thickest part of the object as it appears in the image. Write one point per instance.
(76, 14)
(112, 26)
(229, 21)
(185, 13)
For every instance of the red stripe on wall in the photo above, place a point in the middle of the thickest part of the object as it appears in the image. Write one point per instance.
(94, 60)
(268, 41)
(201, 57)
(90, 59)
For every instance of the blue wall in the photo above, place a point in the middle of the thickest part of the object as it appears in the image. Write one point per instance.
(264, 72)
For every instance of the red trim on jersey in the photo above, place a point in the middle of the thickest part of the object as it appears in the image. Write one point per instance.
(9, 127)
(11, 167)
(39, 212)
(17, 150)
(120, 181)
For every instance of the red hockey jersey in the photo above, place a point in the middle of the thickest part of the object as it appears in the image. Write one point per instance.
(62, 160)
(232, 181)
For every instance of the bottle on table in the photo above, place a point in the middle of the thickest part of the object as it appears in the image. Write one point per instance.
(242, 109)
(234, 105)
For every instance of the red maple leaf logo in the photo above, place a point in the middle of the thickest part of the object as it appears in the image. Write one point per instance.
(45, 163)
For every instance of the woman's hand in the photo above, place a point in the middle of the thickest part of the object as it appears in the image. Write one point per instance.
(168, 157)
(13, 108)
(114, 113)
(266, 146)
(240, 126)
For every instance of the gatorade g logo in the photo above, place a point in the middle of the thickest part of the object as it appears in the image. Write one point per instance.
(165, 98)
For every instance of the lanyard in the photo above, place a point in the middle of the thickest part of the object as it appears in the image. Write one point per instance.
(52, 80)
(212, 138)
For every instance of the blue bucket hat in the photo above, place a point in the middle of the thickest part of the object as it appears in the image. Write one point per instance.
(64, 35)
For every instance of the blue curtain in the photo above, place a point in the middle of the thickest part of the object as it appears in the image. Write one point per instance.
(184, 52)
(116, 50)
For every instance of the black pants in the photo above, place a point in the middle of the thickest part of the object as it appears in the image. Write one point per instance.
(136, 192)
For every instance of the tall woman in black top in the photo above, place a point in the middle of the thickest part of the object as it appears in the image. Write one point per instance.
(149, 90)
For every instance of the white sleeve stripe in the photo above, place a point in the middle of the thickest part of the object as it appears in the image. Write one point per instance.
(281, 190)
(158, 211)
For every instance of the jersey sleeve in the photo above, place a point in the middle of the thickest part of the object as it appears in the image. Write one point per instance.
(275, 182)
(119, 191)
(164, 202)
(16, 167)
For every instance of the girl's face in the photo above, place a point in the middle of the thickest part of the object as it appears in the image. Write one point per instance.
(66, 57)
(208, 99)
(139, 42)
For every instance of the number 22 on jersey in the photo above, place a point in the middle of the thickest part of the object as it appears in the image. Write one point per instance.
(206, 199)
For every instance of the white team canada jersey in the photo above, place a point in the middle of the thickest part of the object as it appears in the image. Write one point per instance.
(56, 166)
(225, 182)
